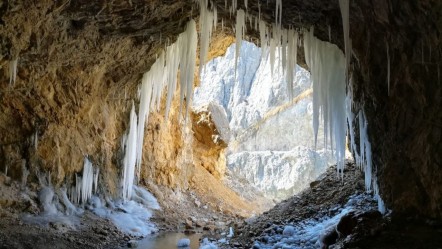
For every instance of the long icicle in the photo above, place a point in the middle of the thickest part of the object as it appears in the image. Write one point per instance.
(239, 30)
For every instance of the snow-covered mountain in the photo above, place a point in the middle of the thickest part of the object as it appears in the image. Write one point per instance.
(254, 93)
(272, 143)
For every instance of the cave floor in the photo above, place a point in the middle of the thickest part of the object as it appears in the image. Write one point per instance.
(92, 232)
(370, 231)
(320, 200)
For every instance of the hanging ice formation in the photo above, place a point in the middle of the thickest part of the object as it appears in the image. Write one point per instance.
(207, 22)
(278, 13)
(86, 184)
(345, 13)
(292, 48)
(363, 157)
(350, 121)
(263, 33)
(129, 144)
(13, 71)
(239, 30)
(180, 55)
(327, 65)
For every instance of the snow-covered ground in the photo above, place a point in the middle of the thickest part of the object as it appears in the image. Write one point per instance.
(272, 140)
(130, 216)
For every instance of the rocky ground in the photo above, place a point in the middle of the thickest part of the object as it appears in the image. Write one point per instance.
(363, 227)
(86, 231)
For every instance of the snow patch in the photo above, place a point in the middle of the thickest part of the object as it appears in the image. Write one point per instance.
(130, 216)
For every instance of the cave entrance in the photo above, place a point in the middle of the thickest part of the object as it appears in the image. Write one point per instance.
(271, 145)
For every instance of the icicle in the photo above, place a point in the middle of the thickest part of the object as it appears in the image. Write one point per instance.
(215, 17)
(278, 13)
(388, 69)
(381, 204)
(256, 24)
(284, 50)
(188, 48)
(36, 140)
(147, 93)
(329, 33)
(87, 181)
(361, 139)
(273, 49)
(82, 191)
(345, 13)
(130, 154)
(13, 71)
(206, 24)
(350, 121)
(173, 63)
(262, 34)
(240, 30)
(245, 4)
(97, 172)
(292, 48)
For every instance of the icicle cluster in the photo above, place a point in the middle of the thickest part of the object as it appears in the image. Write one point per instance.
(363, 157)
(328, 73)
(179, 56)
(86, 184)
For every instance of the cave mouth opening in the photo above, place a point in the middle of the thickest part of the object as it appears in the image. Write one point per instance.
(271, 143)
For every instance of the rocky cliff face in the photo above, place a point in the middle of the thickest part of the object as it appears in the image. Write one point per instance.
(79, 63)
(261, 117)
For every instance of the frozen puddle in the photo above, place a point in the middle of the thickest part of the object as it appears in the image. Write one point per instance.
(170, 241)
(306, 233)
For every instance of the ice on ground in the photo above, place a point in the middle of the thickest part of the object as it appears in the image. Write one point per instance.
(185, 242)
(45, 196)
(230, 235)
(288, 231)
(132, 216)
(52, 211)
(145, 197)
(206, 244)
(306, 233)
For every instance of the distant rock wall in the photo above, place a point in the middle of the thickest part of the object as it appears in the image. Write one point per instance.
(272, 143)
